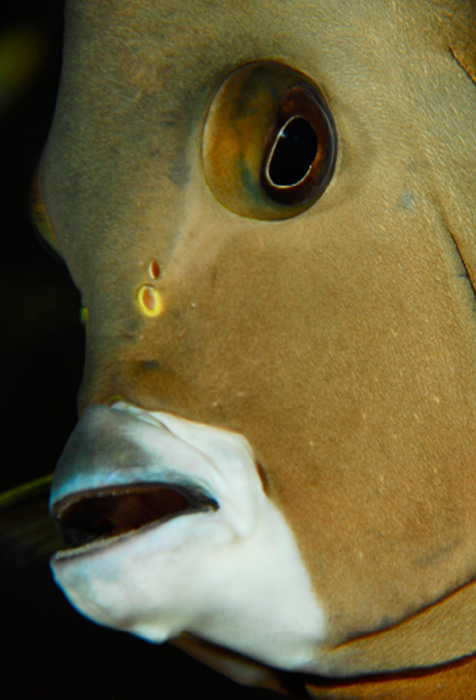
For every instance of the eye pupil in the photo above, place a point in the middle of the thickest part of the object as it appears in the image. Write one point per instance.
(293, 153)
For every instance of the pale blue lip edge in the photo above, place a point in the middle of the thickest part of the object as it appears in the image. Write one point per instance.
(80, 483)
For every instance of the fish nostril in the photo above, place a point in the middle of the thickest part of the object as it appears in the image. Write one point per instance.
(154, 269)
(150, 301)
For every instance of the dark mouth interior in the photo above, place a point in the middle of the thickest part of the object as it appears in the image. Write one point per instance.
(104, 513)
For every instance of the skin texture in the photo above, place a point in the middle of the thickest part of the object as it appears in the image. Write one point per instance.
(342, 341)
(452, 683)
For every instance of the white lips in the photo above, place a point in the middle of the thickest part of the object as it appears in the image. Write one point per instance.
(232, 575)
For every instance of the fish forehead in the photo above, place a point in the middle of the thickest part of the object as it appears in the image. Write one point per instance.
(340, 342)
(137, 80)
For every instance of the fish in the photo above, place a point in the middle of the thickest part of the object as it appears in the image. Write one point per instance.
(268, 209)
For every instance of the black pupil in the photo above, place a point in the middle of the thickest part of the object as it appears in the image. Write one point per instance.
(294, 153)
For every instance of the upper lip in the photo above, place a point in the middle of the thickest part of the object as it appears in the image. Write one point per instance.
(123, 470)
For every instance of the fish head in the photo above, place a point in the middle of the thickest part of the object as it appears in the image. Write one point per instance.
(275, 453)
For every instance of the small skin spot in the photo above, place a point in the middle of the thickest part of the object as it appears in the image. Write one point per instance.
(150, 302)
(408, 201)
(149, 366)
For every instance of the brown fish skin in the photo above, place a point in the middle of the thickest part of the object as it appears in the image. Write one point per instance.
(342, 342)
(455, 682)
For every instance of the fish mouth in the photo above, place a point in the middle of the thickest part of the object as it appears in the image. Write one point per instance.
(167, 530)
(99, 515)
(124, 471)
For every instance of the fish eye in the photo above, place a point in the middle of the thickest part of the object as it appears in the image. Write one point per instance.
(269, 142)
(40, 218)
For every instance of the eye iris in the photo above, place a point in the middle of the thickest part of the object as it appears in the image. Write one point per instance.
(293, 154)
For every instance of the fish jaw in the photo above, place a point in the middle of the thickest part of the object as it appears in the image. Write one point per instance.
(225, 569)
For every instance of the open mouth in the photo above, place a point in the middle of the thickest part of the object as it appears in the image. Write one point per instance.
(100, 514)
(168, 529)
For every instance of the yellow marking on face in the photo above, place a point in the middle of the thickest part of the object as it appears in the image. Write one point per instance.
(85, 317)
(114, 399)
(151, 302)
(40, 216)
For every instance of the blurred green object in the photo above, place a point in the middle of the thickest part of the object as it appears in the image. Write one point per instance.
(22, 55)
(27, 533)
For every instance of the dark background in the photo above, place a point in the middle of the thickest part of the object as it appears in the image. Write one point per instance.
(52, 652)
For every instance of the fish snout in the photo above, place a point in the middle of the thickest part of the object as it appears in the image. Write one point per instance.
(124, 468)
(168, 530)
